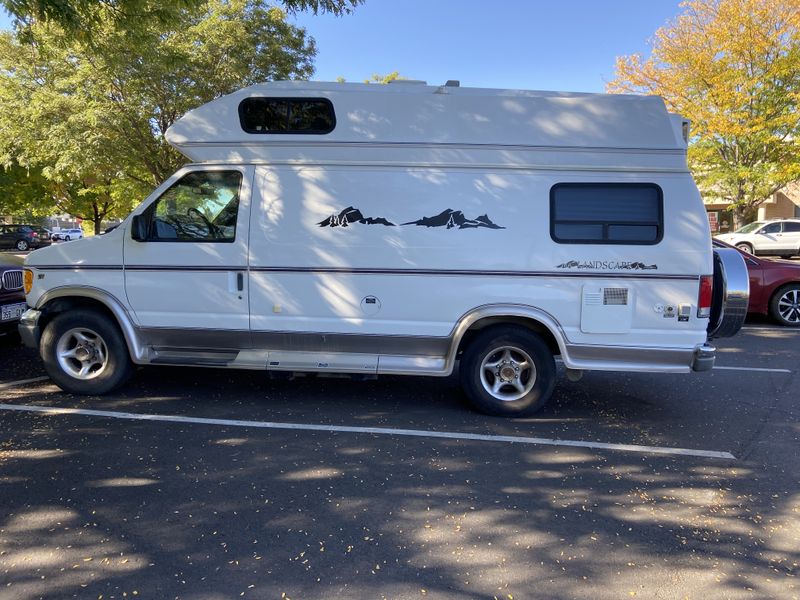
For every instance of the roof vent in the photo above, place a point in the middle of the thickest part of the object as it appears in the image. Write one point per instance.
(452, 83)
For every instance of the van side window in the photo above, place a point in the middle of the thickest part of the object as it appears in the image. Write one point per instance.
(287, 115)
(791, 227)
(771, 228)
(200, 207)
(606, 213)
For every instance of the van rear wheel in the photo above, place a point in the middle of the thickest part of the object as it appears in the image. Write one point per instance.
(507, 371)
(84, 353)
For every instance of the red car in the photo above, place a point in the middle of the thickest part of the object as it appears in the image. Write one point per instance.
(774, 287)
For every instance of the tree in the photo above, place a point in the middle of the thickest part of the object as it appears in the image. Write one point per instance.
(80, 17)
(91, 117)
(378, 78)
(733, 68)
(25, 192)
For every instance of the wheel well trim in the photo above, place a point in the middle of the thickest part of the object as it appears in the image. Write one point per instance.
(112, 303)
(503, 310)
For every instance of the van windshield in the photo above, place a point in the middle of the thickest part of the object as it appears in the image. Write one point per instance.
(750, 227)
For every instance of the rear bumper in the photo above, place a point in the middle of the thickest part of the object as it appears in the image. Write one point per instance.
(29, 328)
(704, 357)
(633, 359)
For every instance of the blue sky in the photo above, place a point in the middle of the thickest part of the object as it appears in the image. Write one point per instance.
(529, 44)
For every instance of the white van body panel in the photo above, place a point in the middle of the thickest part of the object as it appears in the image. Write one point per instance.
(308, 277)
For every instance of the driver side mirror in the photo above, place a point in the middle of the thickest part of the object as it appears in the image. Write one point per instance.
(139, 228)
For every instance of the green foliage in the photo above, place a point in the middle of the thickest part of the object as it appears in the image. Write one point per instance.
(80, 18)
(733, 68)
(24, 192)
(90, 117)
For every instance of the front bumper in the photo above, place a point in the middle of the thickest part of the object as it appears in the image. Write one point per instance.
(29, 328)
(704, 357)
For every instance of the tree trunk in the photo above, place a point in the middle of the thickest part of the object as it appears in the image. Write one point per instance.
(97, 218)
(740, 216)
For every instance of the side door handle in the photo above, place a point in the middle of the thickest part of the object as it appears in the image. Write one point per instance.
(235, 282)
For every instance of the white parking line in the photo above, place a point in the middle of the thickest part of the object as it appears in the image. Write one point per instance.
(770, 328)
(13, 384)
(751, 369)
(450, 435)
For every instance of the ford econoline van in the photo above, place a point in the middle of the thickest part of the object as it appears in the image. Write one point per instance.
(402, 229)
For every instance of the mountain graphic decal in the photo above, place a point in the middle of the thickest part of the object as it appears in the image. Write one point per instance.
(352, 215)
(451, 219)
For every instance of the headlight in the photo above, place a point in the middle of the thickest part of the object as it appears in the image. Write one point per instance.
(27, 280)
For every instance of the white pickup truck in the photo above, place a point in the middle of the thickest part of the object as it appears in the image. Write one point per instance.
(402, 229)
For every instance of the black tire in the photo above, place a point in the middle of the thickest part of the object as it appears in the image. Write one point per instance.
(492, 342)
(22, 245)
(66, 239)
(118, 367)
(745, 247)
(792, 319)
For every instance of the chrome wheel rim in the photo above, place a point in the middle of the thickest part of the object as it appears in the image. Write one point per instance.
(22, 245)
(507, 373)
(745, 248)
(82, 353)
(789, 306)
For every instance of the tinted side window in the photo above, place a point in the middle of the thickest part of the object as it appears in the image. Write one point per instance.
(201, 207)
(287, 115)
(791, 227)
(606, 213)
(771, 228)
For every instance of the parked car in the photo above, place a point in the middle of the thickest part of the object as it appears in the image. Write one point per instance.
(425, 226)
(45, 236)
(12, 296)
(23, 237)
(774, 287)
(778, 237)
(67, 235)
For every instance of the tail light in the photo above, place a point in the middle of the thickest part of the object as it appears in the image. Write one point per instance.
(704, 296)
(34, 234)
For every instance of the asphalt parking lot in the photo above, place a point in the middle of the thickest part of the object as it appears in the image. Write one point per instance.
(208, 484)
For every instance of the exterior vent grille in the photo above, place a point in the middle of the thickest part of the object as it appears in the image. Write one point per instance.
(615, 296)
(592, 299)
(12, 280)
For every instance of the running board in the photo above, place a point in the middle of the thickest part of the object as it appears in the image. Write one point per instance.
(302, 362)
(188, 356)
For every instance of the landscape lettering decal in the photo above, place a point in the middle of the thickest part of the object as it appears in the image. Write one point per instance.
(352, 215)
(606, 265)
(451, 219)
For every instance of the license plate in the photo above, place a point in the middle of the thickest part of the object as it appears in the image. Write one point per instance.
(12, 312)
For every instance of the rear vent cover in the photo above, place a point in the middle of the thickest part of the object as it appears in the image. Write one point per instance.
(615, 296)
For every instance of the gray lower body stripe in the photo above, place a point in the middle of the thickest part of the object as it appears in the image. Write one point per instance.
(171, 340)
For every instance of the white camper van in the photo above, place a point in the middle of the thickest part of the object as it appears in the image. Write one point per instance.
(401, 229)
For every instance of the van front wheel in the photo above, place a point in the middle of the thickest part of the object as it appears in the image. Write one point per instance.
(84, 353)
(507, 371)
